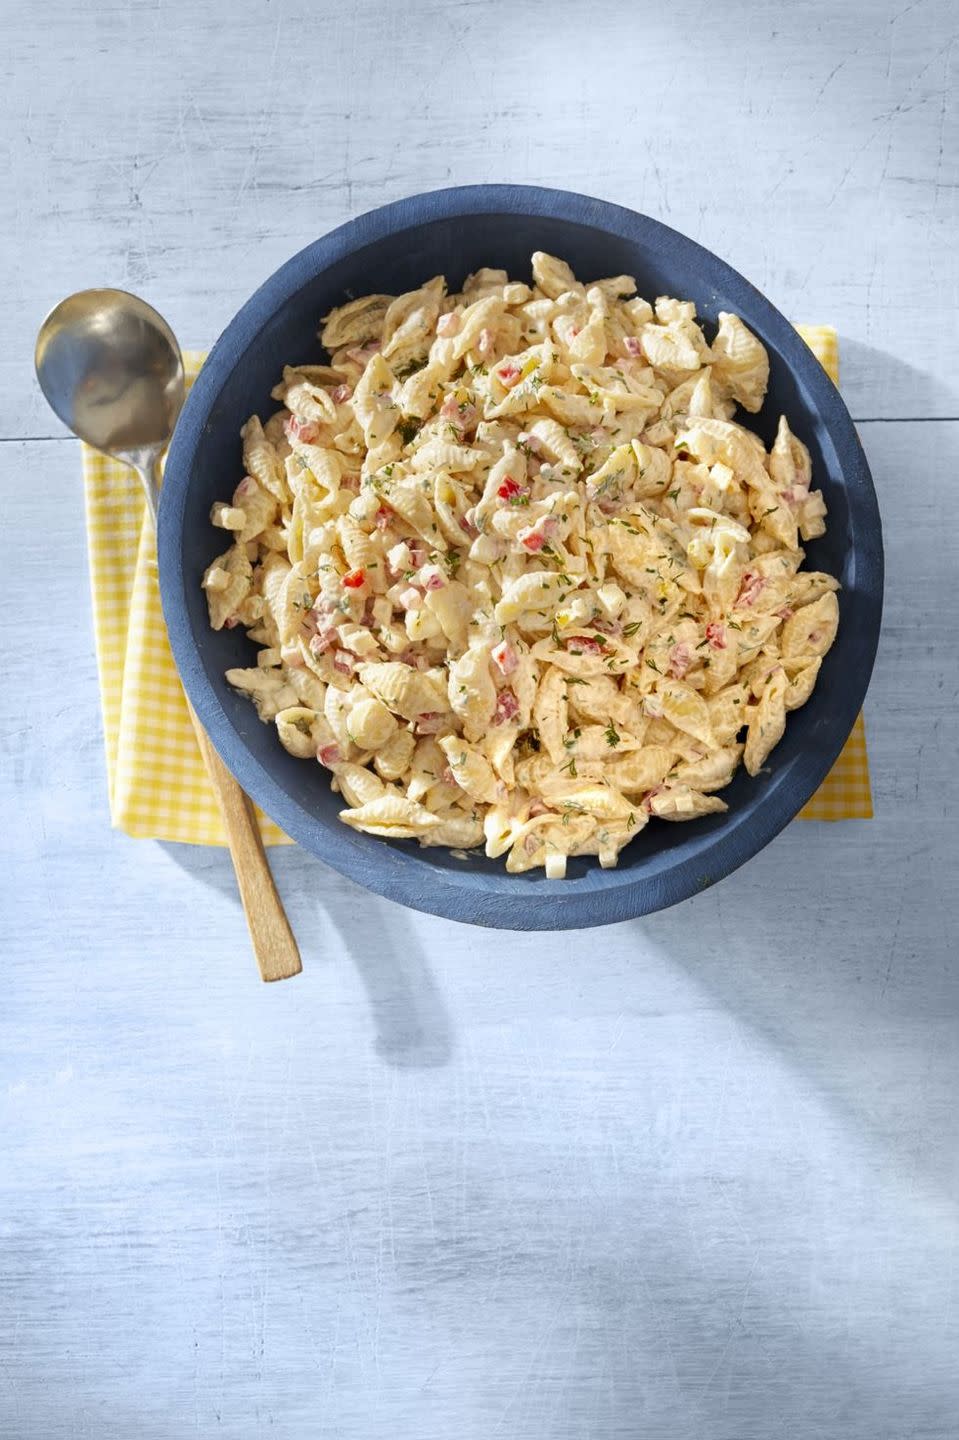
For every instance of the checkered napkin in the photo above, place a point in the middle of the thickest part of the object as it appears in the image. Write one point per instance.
(158, 785)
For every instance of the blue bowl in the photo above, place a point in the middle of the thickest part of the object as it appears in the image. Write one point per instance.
(395, 249)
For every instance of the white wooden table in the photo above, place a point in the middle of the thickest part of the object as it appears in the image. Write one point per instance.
(694, 1178)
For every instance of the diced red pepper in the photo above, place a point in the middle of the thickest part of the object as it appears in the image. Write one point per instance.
(535, 536)
(504, 657)
(509, 488)
(354, 579)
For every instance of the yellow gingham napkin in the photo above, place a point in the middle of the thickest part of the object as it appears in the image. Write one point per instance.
(158, 785)
(845, 793)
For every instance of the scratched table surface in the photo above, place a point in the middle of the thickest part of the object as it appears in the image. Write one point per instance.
(689, 1178)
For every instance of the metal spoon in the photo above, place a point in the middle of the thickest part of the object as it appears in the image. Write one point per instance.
(112, 371)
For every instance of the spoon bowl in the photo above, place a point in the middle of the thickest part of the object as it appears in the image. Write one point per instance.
(111, 369)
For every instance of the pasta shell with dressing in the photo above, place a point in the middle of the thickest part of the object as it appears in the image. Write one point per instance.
(553, 276)
(294, 600)
(680, 802)
(370, 724)
(258, 508)
(456, 830)
(538, 591)
(227, 582)
(410, 319)
(416, 395)
(551, 714)
(261, 459)
(789, 462)
(304, 399)
(499, 747)
(482, 315)
(358, 785)
(392, 760)
(336, 712)
(740, 361)
(471, 770)
(392, 816)
(712, 772)
(426, 768)
(373, 403)
(812, 629)
(590, 797)
(357, 546)
(642, 770)
(674, 347)
(453, 608)
(801, 683)
(687, 710)
(450, 505)
(267, 688)
(310, 691)
(408, 500)
(471, 692)
(296, 729)
(356, 322)
(596, 742)
(407, 692)
(554, 442)
(767, 722)
(595, 698)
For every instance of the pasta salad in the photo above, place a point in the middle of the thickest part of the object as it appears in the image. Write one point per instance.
(519, 577)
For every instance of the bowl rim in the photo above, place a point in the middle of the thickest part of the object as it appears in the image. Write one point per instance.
(406, 876)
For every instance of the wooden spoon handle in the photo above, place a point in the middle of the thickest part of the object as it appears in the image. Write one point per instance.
(273, 943)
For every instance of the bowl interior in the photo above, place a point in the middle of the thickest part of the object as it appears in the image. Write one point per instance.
(665, 862)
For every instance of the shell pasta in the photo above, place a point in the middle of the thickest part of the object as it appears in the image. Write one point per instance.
(518, 577)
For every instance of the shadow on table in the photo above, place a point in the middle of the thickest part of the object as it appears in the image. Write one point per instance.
(877, 385)
(837, 942)
(852, 980)
(413, 1028)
